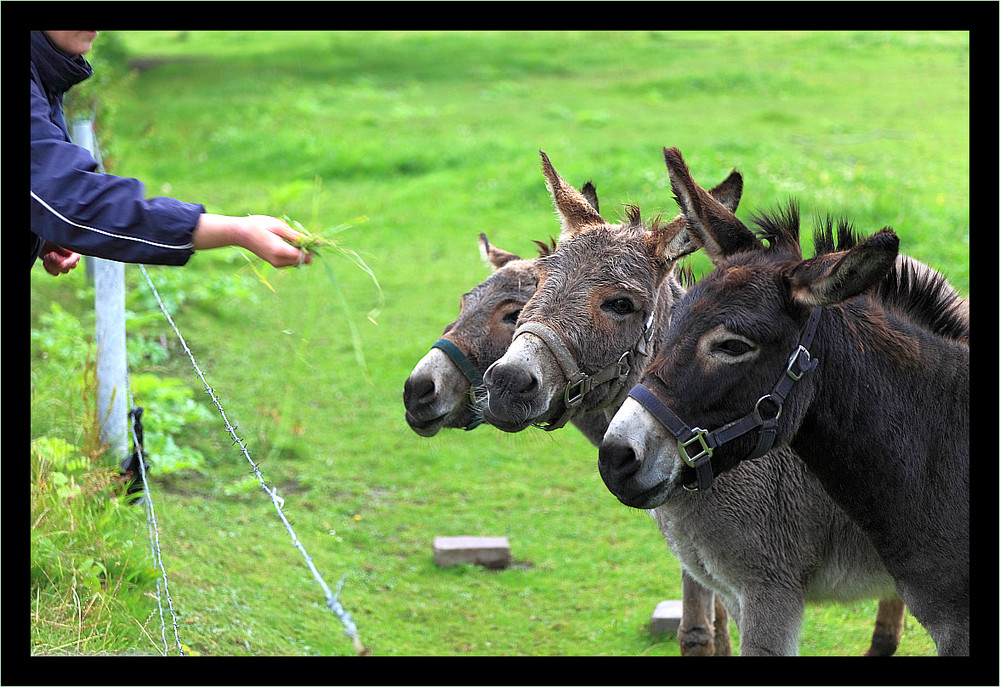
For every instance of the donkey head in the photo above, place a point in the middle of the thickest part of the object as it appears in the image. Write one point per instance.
(582, 338)
(437, 392)
(732, 349)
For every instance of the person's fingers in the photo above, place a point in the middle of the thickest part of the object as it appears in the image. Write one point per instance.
(59, 260)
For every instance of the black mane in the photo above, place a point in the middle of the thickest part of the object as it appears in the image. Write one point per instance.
(910, 289)
(925, 297)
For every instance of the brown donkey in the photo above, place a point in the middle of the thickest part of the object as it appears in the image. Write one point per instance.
(856, 360)
(439, 391)
(766, 550)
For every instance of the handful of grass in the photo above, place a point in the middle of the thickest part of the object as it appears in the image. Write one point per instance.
(321, 246)
(314, 243)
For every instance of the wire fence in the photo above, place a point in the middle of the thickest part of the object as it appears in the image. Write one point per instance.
(331, 598)
(83, 135)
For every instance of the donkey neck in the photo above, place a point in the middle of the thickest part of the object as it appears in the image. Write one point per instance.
(889, 415)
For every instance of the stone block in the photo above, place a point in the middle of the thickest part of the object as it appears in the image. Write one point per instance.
(489, 552)
(666, 617)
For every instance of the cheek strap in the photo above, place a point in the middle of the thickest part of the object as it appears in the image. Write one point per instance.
(696, 445)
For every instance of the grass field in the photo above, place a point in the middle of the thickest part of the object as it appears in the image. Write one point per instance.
(420, 141)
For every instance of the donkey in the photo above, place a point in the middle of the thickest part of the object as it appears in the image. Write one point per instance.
(441, 392)
(874, 397)
(764, 549)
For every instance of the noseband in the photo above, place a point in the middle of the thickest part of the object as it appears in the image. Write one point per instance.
(704, 442)
(469, 370)
(579, 384)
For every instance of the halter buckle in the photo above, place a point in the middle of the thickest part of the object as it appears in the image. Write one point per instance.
(699, 438)
(793, 361)
(575, 391)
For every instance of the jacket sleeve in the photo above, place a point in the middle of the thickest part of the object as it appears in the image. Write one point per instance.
(97, 214)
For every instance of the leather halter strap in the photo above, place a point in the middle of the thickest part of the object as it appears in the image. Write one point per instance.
(579, 384)
(467, 369)
(704, 442)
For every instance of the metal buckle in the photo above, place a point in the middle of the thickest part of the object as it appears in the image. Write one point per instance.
(579, 387)
(699, 437)
(793, 359)
(624, 365)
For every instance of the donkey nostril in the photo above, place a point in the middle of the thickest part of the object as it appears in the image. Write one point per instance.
(418, 391)
(528, 383)
(505, 379)
(619, 458)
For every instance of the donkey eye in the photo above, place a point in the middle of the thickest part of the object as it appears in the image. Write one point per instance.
(733, 347)
(619, 306)
(511, 317)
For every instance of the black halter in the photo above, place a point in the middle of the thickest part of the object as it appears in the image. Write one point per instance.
(706, 441)
(466, 367)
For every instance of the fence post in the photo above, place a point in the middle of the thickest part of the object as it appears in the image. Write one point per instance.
(109, 309)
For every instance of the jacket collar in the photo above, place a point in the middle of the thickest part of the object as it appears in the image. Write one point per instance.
(58, 71)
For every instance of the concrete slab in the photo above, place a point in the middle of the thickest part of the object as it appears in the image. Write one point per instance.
(666, 617)
(489, 552)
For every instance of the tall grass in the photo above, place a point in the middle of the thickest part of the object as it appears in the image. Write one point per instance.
(434, 137)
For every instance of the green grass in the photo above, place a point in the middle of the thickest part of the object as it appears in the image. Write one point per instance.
(434, 138)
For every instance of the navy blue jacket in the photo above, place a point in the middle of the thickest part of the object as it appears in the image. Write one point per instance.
(74, 206)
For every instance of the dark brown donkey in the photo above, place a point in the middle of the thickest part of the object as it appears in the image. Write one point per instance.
(855, 359)
(439, 391)
(766, 539)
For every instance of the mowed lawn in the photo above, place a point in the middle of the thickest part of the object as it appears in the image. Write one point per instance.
(420, 141)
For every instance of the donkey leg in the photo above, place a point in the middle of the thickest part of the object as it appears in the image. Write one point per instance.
(723, 643)
(888, 627)
(695, 634)
(769, 621)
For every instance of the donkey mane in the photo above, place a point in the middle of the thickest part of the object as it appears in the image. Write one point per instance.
(685, 276)
(911, 290)
(779, 228)
(545, 248)
(924, 297)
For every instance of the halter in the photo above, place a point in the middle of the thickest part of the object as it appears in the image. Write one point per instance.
(466, 367)
(706, 441)
(579, 384)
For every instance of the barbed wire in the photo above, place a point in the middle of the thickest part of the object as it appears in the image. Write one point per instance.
(331, 599)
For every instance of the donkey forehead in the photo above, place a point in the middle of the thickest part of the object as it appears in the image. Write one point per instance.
(598, 258)
(740, 299)
(514, 281)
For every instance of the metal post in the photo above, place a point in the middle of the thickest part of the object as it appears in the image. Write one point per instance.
(109, 307)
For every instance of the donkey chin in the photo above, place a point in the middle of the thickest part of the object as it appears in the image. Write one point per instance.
(507, 416)
(638, 460)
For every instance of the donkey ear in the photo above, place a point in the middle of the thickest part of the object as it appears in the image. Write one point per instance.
(589, 192)
(674, 241)
(712, 223)
(835, 277)
(494, 256)
(576, 213)
(729, 191)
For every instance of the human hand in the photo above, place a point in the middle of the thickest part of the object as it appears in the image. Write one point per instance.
(57, 260)
(272, 239)
(267, 237)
